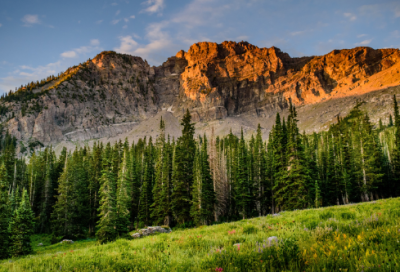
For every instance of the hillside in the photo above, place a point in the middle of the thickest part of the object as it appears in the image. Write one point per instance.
(355, 237)
(228, 86)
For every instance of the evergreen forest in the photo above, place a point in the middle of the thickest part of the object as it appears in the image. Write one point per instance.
(107, 190)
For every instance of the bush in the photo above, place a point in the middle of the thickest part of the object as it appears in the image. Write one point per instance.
(347, 215)
(249, 229)
(326, 215)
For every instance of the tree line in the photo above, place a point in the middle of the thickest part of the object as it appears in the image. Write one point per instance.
(108, 190)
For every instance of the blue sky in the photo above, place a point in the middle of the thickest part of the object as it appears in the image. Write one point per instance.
(43, 37)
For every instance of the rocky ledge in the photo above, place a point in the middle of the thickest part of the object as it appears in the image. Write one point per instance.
(151, 230)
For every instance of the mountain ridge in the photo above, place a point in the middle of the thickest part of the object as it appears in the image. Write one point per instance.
(112, 93)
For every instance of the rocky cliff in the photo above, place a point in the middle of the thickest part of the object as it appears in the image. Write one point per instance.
(113, 93)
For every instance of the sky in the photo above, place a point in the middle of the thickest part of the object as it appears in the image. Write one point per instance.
(39, 38)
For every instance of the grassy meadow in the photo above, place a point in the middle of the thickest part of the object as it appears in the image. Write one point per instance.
(359, 237)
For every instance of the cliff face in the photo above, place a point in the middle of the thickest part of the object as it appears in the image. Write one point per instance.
(112, 93)
(234, 78)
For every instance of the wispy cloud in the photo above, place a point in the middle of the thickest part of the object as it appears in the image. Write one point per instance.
(361, 35)
(114, 4)
(154, 6)
(363, 43)
(26, 74)
(114, 22)
(395, 34)
(95, 42)
(93, 47)
(30, 19)
(118, 12)
(132, 17)
(159, 43)
(350, 16)
(397, 11)
(1, 25)
(297, 33)
(69, 54)
(242, 38)
(99, 22)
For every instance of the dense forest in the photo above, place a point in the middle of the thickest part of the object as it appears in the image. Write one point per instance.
(107, 190)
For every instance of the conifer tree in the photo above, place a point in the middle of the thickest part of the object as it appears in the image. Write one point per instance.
(107, 211)
(207, 190)
(277, 158)
(124, 192)
(21, 228)
(396, 149)
(146, 193)
(183, 171)
(243, 188)
(5, 214)
(297, 173)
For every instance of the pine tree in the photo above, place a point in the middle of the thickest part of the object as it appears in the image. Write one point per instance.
(124, 192)
(243, 188)
(297, 172)
(396, 149)
(195, 209)
(107, 211)
(207, 190)
(146, 193)
(277, 161)
(183, 171)
(5, 214)
(21, 228)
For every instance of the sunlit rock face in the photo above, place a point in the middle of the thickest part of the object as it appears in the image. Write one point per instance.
(112, 93)
(233, 78)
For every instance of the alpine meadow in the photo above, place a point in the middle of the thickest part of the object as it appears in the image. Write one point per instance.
(199, 135)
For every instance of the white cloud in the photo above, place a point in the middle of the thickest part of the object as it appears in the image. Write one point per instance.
(159, 44)
(242, 38)
(1, 25)
(94, 42)
(118, 12)
(125, 26)
(397, 11)
(99, 22)
(30, 19)
(361, 35)
(128, 45)
(114, 22)
(132, 17)
(114, 4)
(69, 54)
(296, 33)
(27, 74)
(350, 16)
(94, 46)
(363, 43)
(154, 6)
(395, 34)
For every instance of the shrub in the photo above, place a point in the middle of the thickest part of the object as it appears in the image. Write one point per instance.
(249, 229)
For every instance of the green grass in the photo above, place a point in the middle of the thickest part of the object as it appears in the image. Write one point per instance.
(361, 237)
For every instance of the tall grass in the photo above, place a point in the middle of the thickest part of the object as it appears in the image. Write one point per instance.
(360, 237)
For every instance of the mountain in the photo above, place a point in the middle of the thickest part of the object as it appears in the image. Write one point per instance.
(226, 86)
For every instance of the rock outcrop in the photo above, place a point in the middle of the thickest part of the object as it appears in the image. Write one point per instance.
(113, 93)
(151, 230)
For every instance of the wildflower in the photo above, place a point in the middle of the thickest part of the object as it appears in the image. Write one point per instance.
(261, 261)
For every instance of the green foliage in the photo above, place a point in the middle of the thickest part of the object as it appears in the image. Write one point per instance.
(21, 228)
(206, 248)
(5, 214)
